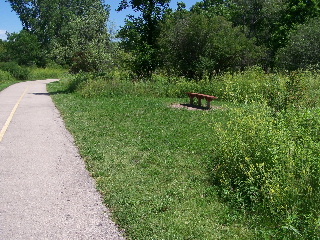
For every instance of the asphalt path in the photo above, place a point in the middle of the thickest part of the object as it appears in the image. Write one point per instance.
(45, 190)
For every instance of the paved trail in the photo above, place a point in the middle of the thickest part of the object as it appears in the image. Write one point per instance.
(45, 190)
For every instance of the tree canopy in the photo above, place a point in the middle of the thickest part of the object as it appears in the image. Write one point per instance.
(66, 29)
(213, 36)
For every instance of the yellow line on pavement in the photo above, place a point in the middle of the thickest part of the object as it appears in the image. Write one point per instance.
(6, 125)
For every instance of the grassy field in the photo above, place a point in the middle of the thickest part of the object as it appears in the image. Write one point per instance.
(246, 169)
(151, 163)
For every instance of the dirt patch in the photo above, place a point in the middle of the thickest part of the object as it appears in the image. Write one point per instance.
(193, 107)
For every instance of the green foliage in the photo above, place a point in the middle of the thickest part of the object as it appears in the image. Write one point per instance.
(278, 91)
(85, 42)
(5, 76)
(143, 61)
(3, 51)
(270, 22)
(214, 8)
(6, 80)
(270, 166)
(114, 84)
(195, 45)
(140, 34)
(302, 50)
(146, 27)
(72, 33)
(18, 72)
(255, 86)
(25, 49)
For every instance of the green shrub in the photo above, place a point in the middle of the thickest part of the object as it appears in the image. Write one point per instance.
(73, 82)
(194, 45)
(25, 49)
(271, 167)
(5, 77)
(18, 72)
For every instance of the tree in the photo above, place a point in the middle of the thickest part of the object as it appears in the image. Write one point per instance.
(147, 24)
(303, 48)
(85, 42)
(3, 51)
(214, 8)
(67, 28)
(140, 34)
(270, 22)
(47, 18)
(195, 44)
(292, 14)
(25, 49)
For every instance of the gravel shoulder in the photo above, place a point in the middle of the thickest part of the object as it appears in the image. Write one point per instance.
(45, 190)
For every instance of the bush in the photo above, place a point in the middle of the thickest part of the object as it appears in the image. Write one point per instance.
(271, 167)
(25, 49)
(5, 77)
(194, 45)
(18, 72)
(279, 91)
(304, 89)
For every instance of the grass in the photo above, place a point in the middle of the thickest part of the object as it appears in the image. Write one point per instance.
(151, 163)
(178, 174)
(6, 84)
(7, 78)
(46, 73)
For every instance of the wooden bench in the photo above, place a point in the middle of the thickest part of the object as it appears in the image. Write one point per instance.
(199, 96)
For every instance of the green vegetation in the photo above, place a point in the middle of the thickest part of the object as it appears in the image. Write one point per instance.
(11, 73)
(150, 162)
(247, 169)
(5, 79)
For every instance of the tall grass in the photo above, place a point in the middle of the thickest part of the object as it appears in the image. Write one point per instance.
(6, 79)
(46, 73)
(277, 90)
(270, 166)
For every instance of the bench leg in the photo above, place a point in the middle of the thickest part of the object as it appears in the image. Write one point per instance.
(191, 100)
(208, 104)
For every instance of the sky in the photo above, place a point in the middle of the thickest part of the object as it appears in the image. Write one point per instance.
(9, 21)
